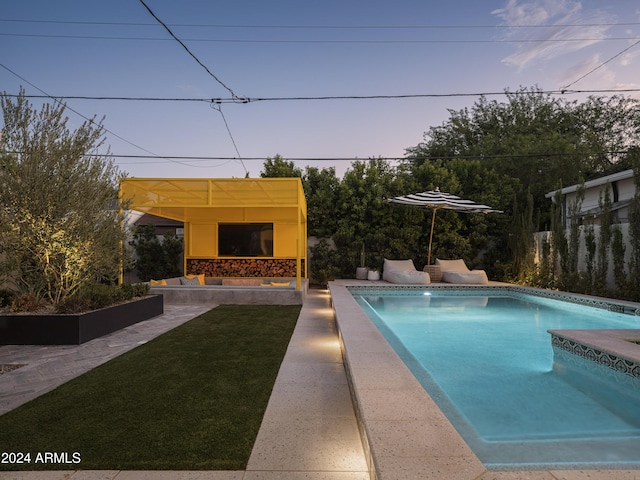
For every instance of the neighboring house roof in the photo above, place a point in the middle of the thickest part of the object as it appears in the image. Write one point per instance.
(614, 177)
(621, 194)
(148, 218)
(598, 210)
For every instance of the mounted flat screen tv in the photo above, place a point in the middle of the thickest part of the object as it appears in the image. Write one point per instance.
(245, 239)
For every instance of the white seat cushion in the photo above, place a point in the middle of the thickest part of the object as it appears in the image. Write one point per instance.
(404, 271)
(456, 271)
(452, 265)
(476, 277)
(407, 277)
(398, 265)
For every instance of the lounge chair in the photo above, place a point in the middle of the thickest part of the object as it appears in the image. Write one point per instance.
(403, 271)
(456, 271)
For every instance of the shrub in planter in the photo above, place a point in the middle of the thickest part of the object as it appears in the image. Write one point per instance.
(26, 302)
(96, 296)
(6, 297)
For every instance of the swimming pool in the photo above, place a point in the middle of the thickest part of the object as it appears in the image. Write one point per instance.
(486, 359)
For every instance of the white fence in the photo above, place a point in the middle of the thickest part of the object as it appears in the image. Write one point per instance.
(582, 250)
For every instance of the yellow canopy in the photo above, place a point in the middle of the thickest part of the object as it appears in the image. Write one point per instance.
(203, 203)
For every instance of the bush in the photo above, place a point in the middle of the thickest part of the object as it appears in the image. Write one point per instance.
(96, 296)
(141, 289)
(156, 258)
(6, 297)
(26, 302)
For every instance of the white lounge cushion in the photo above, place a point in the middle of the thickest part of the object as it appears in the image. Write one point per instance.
(476, 277)
(456, 271)
(403, 271)
(398, 265)
(452, 265)
(407, 277)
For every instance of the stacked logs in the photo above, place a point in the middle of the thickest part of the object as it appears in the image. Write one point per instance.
(243, 267)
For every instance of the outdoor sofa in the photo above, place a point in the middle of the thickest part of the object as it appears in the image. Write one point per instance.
(201, 290)
(201, 280)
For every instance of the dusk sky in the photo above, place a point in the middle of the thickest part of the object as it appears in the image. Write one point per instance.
(440, 54)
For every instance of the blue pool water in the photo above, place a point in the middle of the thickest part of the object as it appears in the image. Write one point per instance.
(488, 363)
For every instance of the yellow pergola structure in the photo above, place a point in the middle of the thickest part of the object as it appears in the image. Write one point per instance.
(212, 209)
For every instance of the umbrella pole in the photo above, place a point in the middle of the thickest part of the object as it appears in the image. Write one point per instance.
(433, 219)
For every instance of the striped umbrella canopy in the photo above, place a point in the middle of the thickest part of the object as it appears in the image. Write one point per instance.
(436, 200)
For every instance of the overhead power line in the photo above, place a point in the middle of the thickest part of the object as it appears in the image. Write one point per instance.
(216, 106)
(331, 41)
(602, 64)
(245, 100)
(191, 159)
(187, 49)
(57, 100)
(327, 27)
(369, 158)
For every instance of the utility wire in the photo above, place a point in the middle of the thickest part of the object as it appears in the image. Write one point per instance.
(601, 65)
(327, 27)
(90, 120)
(218, 107)
(371, 158)
(330, 42)
(332, 97)
(215, 106)
(187, 49)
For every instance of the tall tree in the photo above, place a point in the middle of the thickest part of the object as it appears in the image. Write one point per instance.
(278, 167)
(363, 217)
(541, 140)
(59, 206)
(321, 188)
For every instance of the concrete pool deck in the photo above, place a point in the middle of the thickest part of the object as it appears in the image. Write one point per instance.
(406, 436)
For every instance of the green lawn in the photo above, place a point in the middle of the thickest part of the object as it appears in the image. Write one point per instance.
(191, 399)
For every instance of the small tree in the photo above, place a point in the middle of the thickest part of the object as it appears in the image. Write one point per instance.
(590, 257)
(617, 252)
(634, 233)
(559, 244)
(154, 258)
(604, 240)
(574, 236)
(521, 242)
(59, 206)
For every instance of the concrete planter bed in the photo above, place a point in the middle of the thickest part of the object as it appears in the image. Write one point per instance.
(75, 329)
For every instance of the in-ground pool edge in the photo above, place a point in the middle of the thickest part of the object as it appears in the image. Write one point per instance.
(377, 375)
(398, 454)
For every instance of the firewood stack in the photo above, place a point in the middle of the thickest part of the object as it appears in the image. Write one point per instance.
(243, 267)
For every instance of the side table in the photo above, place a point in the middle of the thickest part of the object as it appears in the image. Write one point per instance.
(434, 271)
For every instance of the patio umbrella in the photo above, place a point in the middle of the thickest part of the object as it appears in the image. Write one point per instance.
(436, 200)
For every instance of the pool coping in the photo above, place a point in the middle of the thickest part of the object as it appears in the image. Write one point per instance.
(617, 350)
(404, 433)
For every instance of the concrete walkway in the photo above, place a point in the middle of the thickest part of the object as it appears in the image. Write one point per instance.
(309, 430)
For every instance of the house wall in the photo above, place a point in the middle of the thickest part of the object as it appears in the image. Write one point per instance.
(625, 191)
